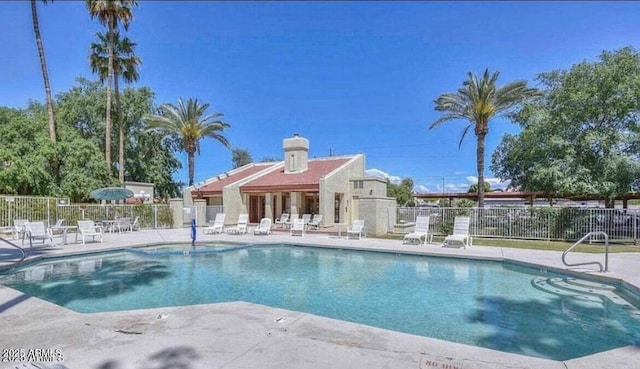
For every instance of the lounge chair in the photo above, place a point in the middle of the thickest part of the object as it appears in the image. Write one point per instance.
(420, 231)
(460, 233)
(217, 226)
(57, 228)
(37, 231)
(135, 225)
(87, 228)
(315, 221)
(356, 229)
(282, 221)
(306, 218)
(19, 228)
(297, 227)
(264, 227)
(121, 224)
(241, 227)
(292, 218)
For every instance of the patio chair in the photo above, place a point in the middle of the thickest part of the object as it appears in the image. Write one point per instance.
(19, 228)
(87, 228)
(57, 228)
(460, 233)
(297, 227)
(264, 227)
(241, 227)
(217, 226)
(306, 218)
(315, 221)
(135, 225)
(121, 224)
(282, 221)
(37, 231)
(420, 231)
(356, 229)
(292, 218)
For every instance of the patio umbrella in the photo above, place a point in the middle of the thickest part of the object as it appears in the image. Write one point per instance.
(111, 193)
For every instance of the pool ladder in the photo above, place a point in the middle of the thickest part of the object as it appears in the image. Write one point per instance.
(24, 255)
(606, 251)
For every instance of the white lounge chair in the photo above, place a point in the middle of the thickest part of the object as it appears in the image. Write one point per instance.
(420, 231)
(282, 221)
(297, 227)
(57, 228)
(217, 226)
(292, 218)
(19, 228)
(38, 232)
(316, 221)
(460, 233)
(135, 225)
(356, 229)
(241, 227)
(87, 228)
(264, 227)
(306, 218)
(121, 224)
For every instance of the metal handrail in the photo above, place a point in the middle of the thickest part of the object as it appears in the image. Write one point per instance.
(24, 255)
(606, 251)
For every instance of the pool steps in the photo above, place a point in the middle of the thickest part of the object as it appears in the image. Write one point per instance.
(583, 290)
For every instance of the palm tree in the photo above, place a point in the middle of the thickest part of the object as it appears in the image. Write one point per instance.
(125, 64)
(45, 72)
(109, 14)
(188, 123)
(478, 101)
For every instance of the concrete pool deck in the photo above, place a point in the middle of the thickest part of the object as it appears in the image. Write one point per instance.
(241, 335)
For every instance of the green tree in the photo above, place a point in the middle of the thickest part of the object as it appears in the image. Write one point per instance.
(240, 157)
(474, 187)
(590, 124)
(479, 101)
(188, 124)
(45, 71)
(110, 13)
(147, 158)
(125, 65)
(403, 192)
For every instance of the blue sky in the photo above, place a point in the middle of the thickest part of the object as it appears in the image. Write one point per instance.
(352, 77)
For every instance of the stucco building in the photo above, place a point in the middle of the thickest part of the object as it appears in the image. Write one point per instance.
(335, 187)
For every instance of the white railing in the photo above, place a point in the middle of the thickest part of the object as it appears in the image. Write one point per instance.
(545, 223)
(49, 210)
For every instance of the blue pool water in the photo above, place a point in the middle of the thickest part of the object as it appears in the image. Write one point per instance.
(488, 304)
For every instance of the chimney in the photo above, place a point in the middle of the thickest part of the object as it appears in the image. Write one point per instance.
(296, 153)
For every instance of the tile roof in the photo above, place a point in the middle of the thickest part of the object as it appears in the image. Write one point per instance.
(215, 187)
(308, 180)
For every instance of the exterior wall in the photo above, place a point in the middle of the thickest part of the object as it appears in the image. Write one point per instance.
(141, 189)
(379, 214)
(369, 186)
(177, 206)
(338, 182)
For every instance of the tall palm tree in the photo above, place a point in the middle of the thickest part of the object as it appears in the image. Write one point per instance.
(188, 123)
(478, 101)
(125, 65)
(110, 13)
(45, 71)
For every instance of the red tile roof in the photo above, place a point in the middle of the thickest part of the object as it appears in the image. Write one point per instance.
(215, 187)
(308, 180)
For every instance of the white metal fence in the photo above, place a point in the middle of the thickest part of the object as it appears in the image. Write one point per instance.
(548, 223)
(49, 210)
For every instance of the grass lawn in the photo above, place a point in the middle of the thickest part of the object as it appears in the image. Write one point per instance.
(540, 244)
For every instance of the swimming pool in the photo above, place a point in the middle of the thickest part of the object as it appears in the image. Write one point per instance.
(495, 305)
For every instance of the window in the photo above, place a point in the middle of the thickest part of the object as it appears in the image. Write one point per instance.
(358, 185)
